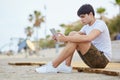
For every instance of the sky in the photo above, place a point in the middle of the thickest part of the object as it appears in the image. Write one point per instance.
(14, 15)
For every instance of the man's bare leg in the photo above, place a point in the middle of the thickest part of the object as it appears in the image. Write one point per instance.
(82, 47)
(66, 53)
(69, 60)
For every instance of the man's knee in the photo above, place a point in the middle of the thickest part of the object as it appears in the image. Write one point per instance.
(83, 47)
(72, 44)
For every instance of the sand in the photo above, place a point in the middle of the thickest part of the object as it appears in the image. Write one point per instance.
(10, 72)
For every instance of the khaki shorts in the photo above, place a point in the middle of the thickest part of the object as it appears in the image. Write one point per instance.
(94, 58)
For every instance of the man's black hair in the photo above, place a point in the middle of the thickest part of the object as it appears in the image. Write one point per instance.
(85, 9)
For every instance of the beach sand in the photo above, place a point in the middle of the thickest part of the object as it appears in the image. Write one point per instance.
(12, 72)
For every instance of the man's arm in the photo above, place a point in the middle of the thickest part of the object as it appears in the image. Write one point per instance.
(81, 38)
(84, 38)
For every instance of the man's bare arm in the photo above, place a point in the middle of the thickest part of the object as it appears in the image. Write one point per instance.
(84, 38)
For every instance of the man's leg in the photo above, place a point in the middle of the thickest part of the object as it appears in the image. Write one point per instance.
(83, 47)
(69, 59)
(67, 53)
(67, 48)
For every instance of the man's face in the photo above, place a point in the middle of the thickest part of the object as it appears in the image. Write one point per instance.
(85, 18)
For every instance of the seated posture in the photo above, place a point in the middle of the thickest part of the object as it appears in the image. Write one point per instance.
(92, 43)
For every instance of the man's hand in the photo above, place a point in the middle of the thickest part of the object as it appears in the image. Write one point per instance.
(54, 37)
(61, 37)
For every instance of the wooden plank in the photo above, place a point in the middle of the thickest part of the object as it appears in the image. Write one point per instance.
(27, 63)
(78, 68)
(98, 71)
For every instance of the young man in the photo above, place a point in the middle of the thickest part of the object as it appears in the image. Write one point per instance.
(92, 43)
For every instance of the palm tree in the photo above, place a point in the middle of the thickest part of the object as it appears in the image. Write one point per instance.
(37, 23)
(101, 11)
(38, 19)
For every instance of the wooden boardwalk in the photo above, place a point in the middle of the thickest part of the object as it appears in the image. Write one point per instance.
(112, 69)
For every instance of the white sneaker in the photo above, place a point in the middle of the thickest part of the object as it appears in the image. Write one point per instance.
(64, 68)
(48, 68)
